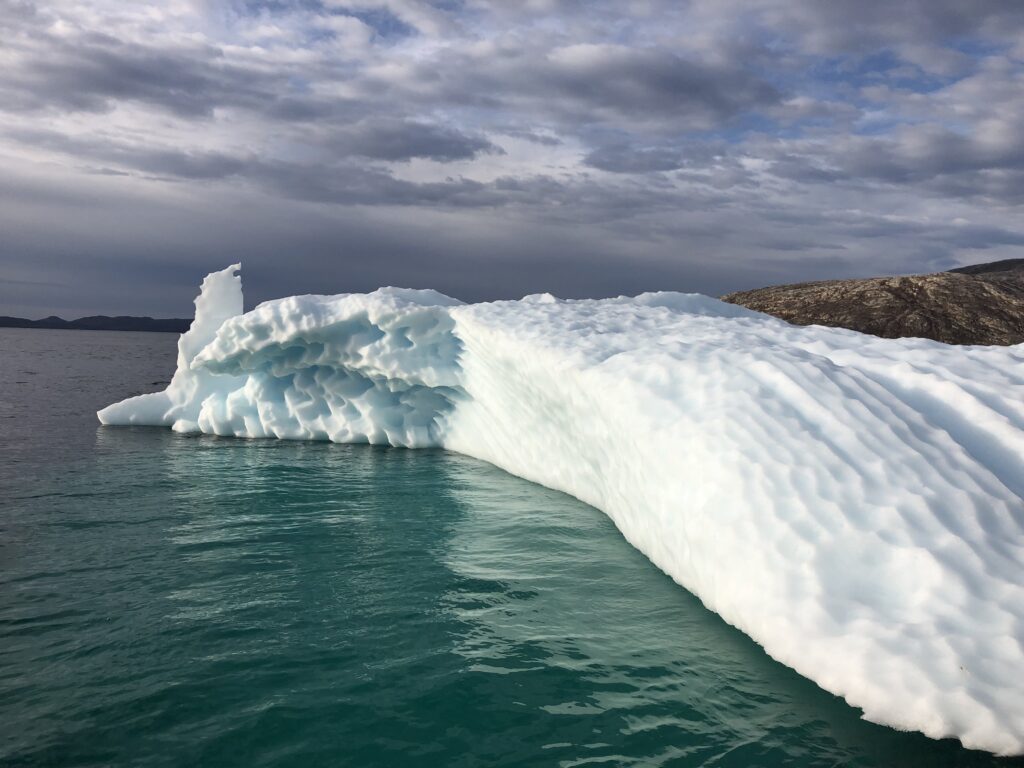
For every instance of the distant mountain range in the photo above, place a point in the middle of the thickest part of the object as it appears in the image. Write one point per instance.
(980, 304)
(102, 323)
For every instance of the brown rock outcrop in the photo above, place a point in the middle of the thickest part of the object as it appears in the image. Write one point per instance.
(980, 304)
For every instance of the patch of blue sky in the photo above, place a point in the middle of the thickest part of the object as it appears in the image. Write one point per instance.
(979, 49)
(739, 129)
(300, 84)
(886, 67)
(879, 122)
(450, 6)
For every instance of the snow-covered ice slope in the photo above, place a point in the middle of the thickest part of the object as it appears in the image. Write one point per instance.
(853, 504)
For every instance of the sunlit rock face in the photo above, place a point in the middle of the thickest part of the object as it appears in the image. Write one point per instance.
(854, 504)
(981, 304)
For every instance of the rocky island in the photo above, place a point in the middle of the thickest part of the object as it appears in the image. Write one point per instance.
(979, 304)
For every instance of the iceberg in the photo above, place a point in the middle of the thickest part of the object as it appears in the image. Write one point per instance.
(853, 504)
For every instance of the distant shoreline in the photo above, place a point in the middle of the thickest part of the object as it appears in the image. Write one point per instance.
(101, 323)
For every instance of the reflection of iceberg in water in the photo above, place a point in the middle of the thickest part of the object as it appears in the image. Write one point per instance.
(378, 602)
(853, 504)
(578, 626)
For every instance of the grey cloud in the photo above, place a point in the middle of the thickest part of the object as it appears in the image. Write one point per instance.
(405, 139)
(862, 25)
(588, 85)
(95, 71)
(934, 160)
(640, 83)
(194, 165)
(546, 140)
(947, 234)
(342, 183)
(156, 269)
(355, 185)
(99, 71)
(14, 13)
(804, 169)
(981, 237)
(923, 153)
(625, 159)
(1002, 186)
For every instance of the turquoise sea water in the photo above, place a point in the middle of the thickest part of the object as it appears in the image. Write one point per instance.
(195, 601)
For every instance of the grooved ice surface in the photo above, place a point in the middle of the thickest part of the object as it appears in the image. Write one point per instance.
(853, 504)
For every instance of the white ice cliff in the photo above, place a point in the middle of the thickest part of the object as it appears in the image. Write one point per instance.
(854, 504)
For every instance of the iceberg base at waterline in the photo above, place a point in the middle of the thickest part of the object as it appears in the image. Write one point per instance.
(853, 504)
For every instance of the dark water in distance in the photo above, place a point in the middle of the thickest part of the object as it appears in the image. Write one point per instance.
(195, 601)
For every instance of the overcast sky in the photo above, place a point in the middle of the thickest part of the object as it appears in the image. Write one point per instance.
(494, 148)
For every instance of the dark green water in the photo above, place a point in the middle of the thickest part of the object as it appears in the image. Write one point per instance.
(181, 601)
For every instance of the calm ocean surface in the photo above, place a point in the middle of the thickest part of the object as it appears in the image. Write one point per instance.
(184, 601)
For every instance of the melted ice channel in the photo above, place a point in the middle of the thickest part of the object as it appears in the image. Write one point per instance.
(853, 504)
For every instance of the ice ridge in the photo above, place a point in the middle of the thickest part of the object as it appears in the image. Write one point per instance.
(853, 504)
